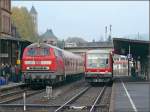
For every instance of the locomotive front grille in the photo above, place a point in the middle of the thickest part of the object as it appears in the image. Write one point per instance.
(38, 68)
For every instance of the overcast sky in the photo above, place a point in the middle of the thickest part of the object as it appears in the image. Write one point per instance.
(87, 19)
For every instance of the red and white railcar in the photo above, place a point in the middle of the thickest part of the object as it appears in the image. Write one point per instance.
(98, 66)
(45, 64)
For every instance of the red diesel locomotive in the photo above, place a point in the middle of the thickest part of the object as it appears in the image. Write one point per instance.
(47, 65)
(98, 66)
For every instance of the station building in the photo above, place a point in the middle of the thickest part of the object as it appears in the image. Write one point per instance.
(49, 37)
(11, 45)
(82, 48)
(137, 52)
(5, 18)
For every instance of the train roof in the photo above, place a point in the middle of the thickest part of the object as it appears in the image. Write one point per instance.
(71, 55)
(66, 53)
(99, 51)
(38, 45)
(42, 45)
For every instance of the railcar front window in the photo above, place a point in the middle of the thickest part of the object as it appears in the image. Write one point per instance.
(97, 60)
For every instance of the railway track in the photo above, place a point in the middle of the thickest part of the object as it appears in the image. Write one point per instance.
(16, 95)
(9, 89)
(5, 96)
(87, 99)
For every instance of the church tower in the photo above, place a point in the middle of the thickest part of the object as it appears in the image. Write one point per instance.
(34, 14)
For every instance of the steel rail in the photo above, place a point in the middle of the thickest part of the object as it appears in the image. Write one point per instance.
(2, 89)
(12, 93)
(19, 97)
(72, 99)
(43, 105)
(97, 99)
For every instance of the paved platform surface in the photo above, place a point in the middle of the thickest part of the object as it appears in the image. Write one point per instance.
(10, 85)
(130, 95)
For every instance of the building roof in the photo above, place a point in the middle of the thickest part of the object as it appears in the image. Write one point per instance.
(14, 39)
(49, 35)
(33, 11)
(94, 45)
(137, 47)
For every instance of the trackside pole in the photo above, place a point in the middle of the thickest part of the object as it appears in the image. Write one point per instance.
(24, 101)
(49, 92)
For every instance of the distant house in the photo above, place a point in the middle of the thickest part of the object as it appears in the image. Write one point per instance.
(71, 44)
(49, 37)
(74, 41)
(89, 45)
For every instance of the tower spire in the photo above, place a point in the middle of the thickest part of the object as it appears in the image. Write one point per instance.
(34, 15)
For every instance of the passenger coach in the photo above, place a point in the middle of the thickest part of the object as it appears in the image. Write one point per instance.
(47, 65)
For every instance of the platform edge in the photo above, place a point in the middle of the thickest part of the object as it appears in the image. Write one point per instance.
(112, 100)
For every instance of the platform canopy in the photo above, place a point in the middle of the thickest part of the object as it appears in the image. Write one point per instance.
(137, 48)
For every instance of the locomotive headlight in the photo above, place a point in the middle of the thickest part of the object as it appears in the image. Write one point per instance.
(28, 68)
(106, 71)
(46, 62)
(29, 62)
(47, 68)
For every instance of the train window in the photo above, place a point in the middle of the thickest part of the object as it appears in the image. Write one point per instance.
(106, 61)
(60, 53)
(31, 52)
(122, 58)
(68, 62)
(80, 63)
(38, 51)
(71, 62)
(43, 51)
(97, 60)
(56, 52)
(124, 65)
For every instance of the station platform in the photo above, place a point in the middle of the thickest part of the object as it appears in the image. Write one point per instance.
(130, 95)
(10, 85)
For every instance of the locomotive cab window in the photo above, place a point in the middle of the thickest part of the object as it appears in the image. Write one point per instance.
(38, 51)
(43, 51)
(31, 52)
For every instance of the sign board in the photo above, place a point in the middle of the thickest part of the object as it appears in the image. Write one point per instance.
(129, 56)
(18, 62)
(4, 55)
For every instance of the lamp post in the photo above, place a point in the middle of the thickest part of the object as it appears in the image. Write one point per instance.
(148, 67)
(105, 32)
